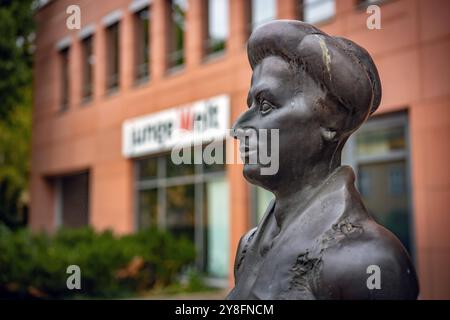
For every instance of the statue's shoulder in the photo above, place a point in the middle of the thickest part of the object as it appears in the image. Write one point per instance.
(372, 265)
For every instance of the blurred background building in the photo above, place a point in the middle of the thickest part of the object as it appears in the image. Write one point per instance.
(107, 96)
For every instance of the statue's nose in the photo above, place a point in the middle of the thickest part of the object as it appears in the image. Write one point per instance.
(241, 124)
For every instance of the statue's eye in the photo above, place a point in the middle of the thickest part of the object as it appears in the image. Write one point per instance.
(266, 107)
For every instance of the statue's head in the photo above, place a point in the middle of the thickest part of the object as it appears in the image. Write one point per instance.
(315, 88)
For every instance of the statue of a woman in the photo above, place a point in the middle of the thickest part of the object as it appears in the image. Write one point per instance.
(316, 239)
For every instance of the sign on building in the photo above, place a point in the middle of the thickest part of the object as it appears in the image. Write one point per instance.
(198, 122)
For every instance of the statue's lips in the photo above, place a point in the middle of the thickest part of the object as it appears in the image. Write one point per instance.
(246, 151)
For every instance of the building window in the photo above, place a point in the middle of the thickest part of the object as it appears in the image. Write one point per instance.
(87, 69)
(177, 19)
(72, 200)
(217, 25)
(316, 11)
(260, 12)
(189, 200)
(378, 152)
(112, 57)
(261, 199)
(366, 3)
(142, 48)
(64, 67)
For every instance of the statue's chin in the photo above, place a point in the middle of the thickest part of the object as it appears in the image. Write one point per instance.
(252, 173)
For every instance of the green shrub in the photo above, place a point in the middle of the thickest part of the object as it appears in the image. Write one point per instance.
(111, 266)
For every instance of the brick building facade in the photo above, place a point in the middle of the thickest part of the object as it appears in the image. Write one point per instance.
(88, 83)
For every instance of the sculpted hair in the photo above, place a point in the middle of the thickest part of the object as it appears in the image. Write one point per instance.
(341, 67)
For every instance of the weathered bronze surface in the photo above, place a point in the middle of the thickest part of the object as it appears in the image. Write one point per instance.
(316, 239)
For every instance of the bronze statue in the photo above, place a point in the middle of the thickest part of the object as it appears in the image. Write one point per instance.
(316, 239)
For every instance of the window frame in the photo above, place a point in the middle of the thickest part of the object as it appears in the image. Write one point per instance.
(59, 206)
(301, 13)
(208, 46)
(171, 40)
(351, 158)
(64, 62)
(140, 76)
(87, 67)
(251, 25)
(161, 182)
(112, 31)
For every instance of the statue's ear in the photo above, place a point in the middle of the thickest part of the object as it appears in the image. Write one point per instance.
(328, 134)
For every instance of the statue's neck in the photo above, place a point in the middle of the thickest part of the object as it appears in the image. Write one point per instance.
(297, 194)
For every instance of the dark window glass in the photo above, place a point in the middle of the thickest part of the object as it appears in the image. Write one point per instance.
(380, 142)
(217, 25)
(148, 208)
(88, 61)
(363, 3)
(216, 152)
(112, 53)
(142, 42)
(177, 17)
(379, 153)
(384, 191)
(64, 60)
(181, 210)
(148, 168)
(74, 200)
(183, 169)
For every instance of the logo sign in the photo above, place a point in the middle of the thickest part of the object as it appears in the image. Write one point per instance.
(74, 20)
(74, 280)
(195, 123)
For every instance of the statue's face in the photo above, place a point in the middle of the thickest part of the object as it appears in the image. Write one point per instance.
(280, 99)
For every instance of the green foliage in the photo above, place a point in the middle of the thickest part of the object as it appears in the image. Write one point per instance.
(16, 46)
(195, 282)
(15, 136)
(16, 43)
(111, 266)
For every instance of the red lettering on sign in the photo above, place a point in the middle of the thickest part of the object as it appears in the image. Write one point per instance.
(186, 119)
